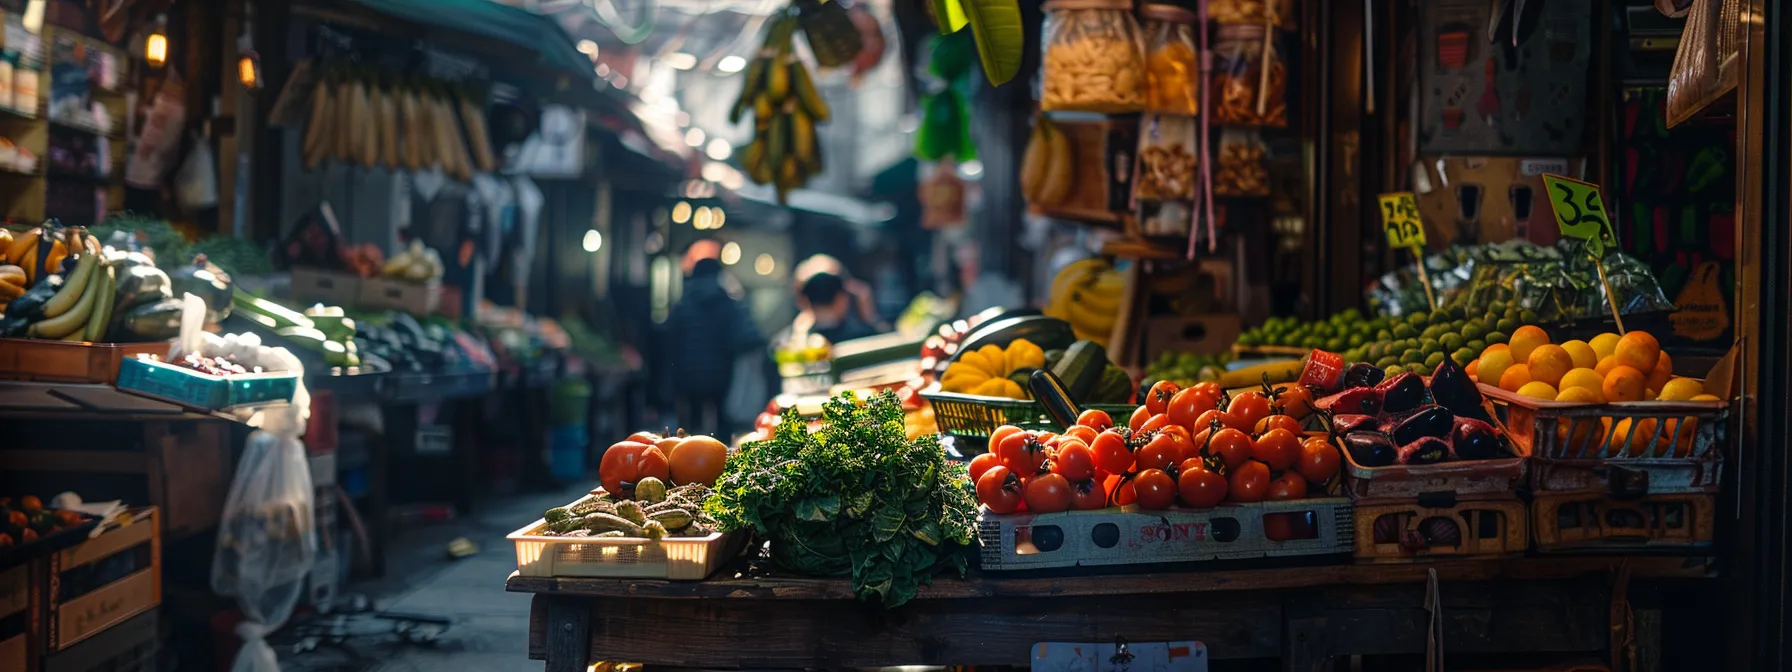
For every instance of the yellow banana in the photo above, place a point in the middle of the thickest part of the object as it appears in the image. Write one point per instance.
(1060, 169)
(67, 323)
(803, 140)
(1032, 163)
(777, 82)
(806, 95)
(72, 290)
(107, 300)
(1091, 319)
(23, 244)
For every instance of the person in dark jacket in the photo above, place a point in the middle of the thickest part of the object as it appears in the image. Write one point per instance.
(705, 333)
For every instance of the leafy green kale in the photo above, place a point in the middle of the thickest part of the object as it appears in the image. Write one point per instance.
(855, 497)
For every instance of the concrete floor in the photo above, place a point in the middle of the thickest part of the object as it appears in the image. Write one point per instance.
(489, 627)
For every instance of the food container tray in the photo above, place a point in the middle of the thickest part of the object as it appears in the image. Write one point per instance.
(673, 558)
(1419, 530)
(1130, 536)
(1596, 523)
(1664, 446)
(19, 554)
(44, 361)
(1459, 478)
(180, 385)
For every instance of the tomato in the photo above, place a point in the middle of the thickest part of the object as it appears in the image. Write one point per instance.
(1286, 422)
(1048, 493)
(1083, 432)
(1288, 486)
(1138, 418)
(1074, 461)
(648, 438)
(697, 459)
(1246, 409)
(1087, 494)
(1249, 482)
(1021, 453)
(1156, 490)
(1206, 420)
(1122, 490)
(995, 437)
(1209, 388)
(981, 465)
(1154, 423)
(1111, 453)
(1277, 448)
(1000, 490)
(1161, 451)
(1187, 407)
(1318, 460)
(1158, 397)
(626, 463)
(1232, 446)
(1198, 487)
(1048, 439)
(1095, 419)
(1295, 399)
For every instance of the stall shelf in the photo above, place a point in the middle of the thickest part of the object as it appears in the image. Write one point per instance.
(765, 620)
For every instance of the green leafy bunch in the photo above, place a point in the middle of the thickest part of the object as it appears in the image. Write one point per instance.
(854, 497)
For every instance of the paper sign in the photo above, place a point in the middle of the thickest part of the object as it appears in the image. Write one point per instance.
(1400, 216)
(1120, 656)
(1580, 212)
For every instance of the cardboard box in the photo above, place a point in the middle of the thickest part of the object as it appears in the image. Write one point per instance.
(334, 288)
(416, 298)
(76, 612)
(1129, 536)
(1203, 334)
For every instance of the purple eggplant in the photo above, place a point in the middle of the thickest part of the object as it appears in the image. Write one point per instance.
(1452, 389)
(1356, 401)
(1363, 374)
(1402, 393)
(1476, 440)
(1431, 420)
(1426, 450)
(1371, 449)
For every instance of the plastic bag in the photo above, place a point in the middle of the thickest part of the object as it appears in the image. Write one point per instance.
(1242, 167)
(196, 183)
(1711, 37)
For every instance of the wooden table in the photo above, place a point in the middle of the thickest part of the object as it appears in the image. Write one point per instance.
(1305, 616)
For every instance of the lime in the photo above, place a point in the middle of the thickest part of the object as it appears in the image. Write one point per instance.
(1527, 316)
(1477, 345)
(1451, 341)
(1440, 317)
(1394, 370)
(1417, 319)
(1384, 335)
(1496, 337)
(1473, 330)
(1429, 345)
(1463, 357)
(1334, 344)
(1386, 362)
(1496, 307)
(1404, 331)
(1508, 324)
(1432, 361)
(1412, 357)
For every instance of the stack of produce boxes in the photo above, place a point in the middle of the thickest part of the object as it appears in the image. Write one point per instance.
(1432, 473)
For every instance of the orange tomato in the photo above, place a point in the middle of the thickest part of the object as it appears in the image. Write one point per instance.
(697, 459)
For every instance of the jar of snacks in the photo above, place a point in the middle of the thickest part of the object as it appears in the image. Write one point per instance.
(1242, 167)
(1278, 13)
(1250, 83)
(1094, 60)
(1172, 63)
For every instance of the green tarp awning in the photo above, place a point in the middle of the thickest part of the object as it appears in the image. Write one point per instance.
(497, 21)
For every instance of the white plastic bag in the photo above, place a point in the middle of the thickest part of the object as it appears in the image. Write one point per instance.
(196, 183)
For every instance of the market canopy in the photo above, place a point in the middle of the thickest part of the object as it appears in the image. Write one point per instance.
(497, 21)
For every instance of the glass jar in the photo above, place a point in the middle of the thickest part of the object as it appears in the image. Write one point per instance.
(1172, 62)
(1242, 167)
(1227, 12)
(1094, 60)
(1250, 82)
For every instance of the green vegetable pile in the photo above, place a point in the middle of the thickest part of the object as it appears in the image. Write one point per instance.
(854, 497)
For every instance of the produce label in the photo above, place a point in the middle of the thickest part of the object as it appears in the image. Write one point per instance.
(1580, 212)
(1400, 216)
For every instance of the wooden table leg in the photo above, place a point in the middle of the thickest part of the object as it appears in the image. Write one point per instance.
(568, 634)
(1305, 645)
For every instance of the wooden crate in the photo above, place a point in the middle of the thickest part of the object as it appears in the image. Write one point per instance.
(331, 288)
(131, 646)
(1666, 447)
(1591, 522)
(60, 362)
(1488, 528)
(16, 650)
(1130, 536)
(416, 298)
(1105, 154)
(76, 609)
(1201, 334)
(674, 558)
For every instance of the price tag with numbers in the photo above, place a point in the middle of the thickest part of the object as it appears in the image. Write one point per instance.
(1580, 212)
(1400, 216)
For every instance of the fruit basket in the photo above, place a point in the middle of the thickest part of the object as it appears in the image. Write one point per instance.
(1625, 448)
(1465, 478)
(673, 558)
(1129, 536)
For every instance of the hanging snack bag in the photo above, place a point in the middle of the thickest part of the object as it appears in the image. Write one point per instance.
(1241, 168)
(1250, 82)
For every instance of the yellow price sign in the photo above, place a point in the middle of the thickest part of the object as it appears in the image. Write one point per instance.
(1580, 212)
(1400, 217)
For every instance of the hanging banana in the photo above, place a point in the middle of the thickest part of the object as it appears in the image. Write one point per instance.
(785, 106)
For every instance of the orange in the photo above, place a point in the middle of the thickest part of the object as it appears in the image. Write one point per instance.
(1683, 441)
(1604, 344)
(1548, 363)
(1637, 443)
(1537, 389)
(1605, 366)
(1638, 350)
(1497, 347)
(1472, 367)
(1664, 370)
(1623, 384)
(1681, 389)
(1494, 365)
(1583, 354)
(1583, 437)
(1584, 378)
(1580, 395)
(1526, 339)
(1515, 377)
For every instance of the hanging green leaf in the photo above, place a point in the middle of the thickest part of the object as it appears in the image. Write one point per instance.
(949, 14)
(1000, 38)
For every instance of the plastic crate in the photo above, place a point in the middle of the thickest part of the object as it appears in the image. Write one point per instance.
(1461, 478)
(674, 558)
(193, 389)
(1666, 446)
(1594, 523)
(1403, 531)
(1130, 536)
(973, 416)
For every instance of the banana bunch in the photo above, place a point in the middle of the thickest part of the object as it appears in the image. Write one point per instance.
(31, 254)
(786, 107)
(72, 305)
(1048, 167)
(416, 263)
(358, 119)
(993, 371)
(1088, 294)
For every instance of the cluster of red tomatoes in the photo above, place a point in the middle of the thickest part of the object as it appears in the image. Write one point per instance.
(1197, 446)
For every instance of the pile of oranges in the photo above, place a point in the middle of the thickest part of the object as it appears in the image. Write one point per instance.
(1608, 368)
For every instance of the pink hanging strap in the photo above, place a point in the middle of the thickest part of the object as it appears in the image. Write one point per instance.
(1205, 202)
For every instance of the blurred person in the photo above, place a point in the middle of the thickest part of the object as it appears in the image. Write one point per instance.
(705, 334)
(828, 310)
(864, 303)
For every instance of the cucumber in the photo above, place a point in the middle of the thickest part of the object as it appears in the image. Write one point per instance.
(1081, 369)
